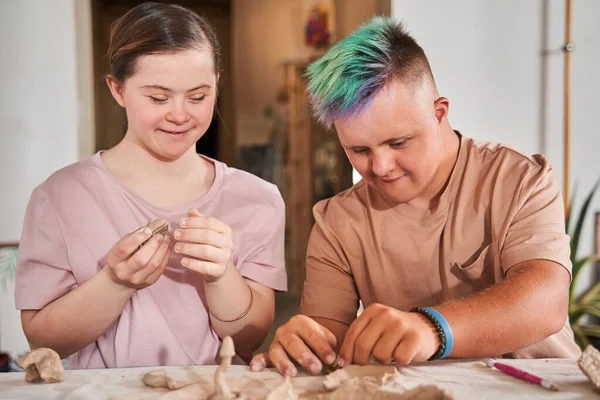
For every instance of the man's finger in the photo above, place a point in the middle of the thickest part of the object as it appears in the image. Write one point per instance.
(347, 349)
(320, 340)
(296, 348)
(406, 350)
(363, 347)
(383, 351)
(260, 362)
(281, 361)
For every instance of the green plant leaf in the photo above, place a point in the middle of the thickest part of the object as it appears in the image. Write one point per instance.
(577, 267)
(8, 262)
(570, 208)
(580, 219)
(580, 337)
(590, 329)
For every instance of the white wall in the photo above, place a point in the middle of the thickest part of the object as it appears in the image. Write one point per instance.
(500, 63)
(40, 107)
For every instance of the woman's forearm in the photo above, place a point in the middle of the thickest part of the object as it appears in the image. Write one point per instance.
(229, 298)
(78, 318)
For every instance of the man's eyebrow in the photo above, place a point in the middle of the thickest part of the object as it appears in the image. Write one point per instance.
(387, 141)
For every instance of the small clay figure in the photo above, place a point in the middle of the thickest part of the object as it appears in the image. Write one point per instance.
(226, 353)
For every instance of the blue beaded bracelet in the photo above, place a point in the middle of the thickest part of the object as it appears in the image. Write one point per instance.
(443, 329)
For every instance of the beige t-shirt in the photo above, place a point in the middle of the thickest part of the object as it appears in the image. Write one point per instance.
(499, 208)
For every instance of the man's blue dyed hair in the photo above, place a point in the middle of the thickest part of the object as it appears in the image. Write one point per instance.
(343, 81)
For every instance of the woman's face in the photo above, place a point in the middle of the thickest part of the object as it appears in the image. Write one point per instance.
(169, 101)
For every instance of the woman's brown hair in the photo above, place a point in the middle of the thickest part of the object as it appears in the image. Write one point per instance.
(157, 28)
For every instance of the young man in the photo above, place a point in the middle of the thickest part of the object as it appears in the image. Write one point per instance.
(474, 231)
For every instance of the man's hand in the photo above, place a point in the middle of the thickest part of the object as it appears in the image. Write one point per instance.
(145, 266)
(388, 335)
(207, 242)
(301, 339)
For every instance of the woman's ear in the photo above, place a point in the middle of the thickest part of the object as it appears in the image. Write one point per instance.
(116, 89)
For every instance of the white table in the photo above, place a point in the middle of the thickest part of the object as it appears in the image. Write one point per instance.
(469, 379)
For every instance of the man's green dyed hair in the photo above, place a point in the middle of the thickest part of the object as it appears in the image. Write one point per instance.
(343, 82)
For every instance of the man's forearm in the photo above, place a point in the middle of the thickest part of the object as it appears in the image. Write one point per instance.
(78, 318)
(530, 305)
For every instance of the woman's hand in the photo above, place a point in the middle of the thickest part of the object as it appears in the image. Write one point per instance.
(206, 242)
(145, 266)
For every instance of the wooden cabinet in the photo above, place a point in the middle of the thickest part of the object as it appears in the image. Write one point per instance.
(315, 168)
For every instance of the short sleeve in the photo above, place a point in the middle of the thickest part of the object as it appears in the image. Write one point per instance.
(329, 289)
(43, 272)
(266, 261)
(537, 230)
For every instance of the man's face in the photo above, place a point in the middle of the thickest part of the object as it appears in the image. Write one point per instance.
(395, 144)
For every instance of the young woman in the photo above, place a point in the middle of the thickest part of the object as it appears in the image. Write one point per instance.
(81, 291)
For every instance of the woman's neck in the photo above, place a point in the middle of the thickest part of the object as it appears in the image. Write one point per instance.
(136, 165)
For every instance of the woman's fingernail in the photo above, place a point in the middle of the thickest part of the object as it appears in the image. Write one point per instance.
(178, 247)
(145, 231)
(342, 362)
(177, 234)
(184, 262)
(184, 221)
(159, 238)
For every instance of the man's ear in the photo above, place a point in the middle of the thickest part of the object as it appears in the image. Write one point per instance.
(116, 89)
(442, 106)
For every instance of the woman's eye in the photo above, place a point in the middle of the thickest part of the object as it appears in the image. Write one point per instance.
(397, 144)
(157, 100)
(199, 98)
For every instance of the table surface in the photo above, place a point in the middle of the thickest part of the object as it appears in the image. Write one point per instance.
(465, 379)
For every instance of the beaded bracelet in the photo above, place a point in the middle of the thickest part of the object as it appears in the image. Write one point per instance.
(442, 328)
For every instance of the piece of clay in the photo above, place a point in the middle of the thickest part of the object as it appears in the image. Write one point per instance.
(174, 380)
(285, 391)
(226, 353)
(589, 364)
(158, 227)
(378, 373)
(369, 381)
(42, 364)
(222, 390)
(334, 366)
(427, 392)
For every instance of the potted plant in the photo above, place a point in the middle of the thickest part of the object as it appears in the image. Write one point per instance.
(8, 262)
(584, 310)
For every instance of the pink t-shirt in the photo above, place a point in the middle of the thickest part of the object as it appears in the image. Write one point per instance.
(75, 217)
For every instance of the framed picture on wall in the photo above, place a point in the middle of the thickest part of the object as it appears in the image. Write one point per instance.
(318, 23)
